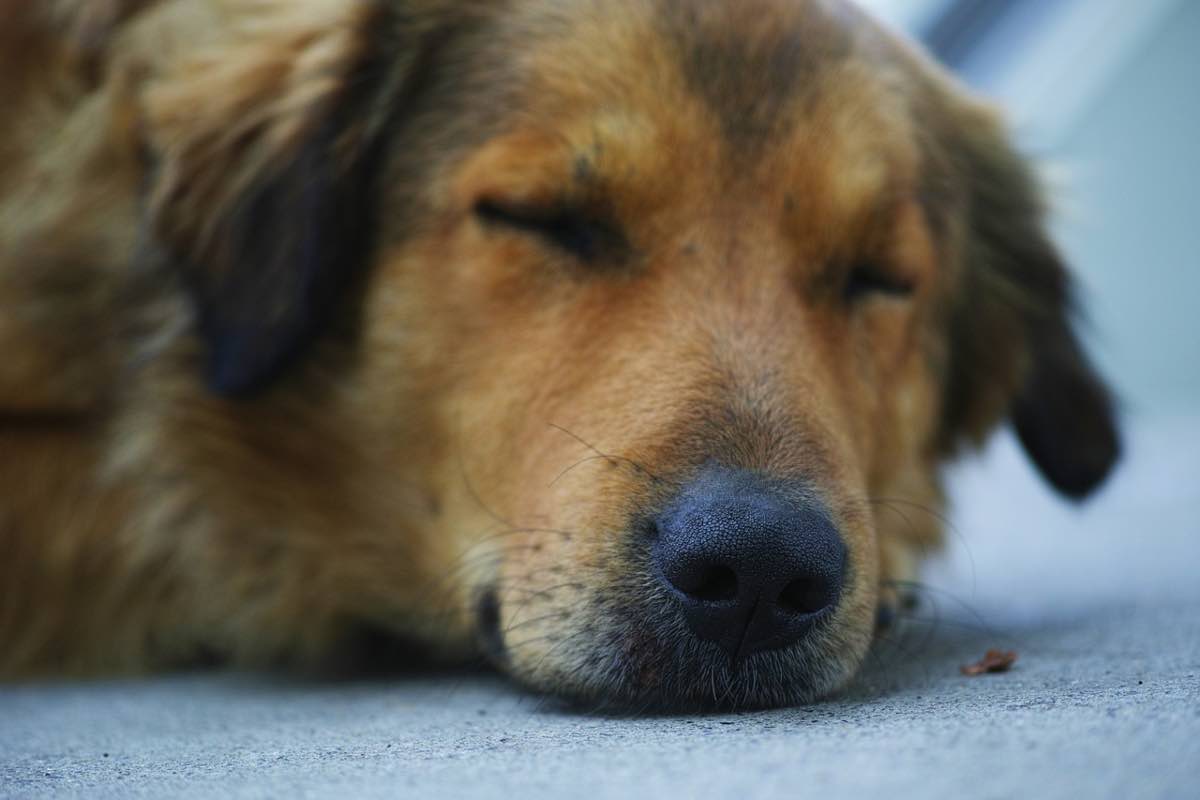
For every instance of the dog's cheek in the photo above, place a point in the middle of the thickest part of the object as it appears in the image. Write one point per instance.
(544, 611)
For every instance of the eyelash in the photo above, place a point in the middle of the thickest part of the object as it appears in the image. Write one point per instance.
(566, 228)
(869, 279)
(585, 238)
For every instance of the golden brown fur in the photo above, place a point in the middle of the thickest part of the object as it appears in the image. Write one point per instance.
(286, 360)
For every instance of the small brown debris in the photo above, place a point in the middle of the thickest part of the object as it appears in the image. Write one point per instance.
(994, 661)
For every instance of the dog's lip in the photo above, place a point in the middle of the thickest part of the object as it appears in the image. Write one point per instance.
(652, 666)
(649, 674)
(655, 680)
(490, 635)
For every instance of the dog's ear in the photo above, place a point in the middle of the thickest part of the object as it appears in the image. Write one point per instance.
(265, 152)
(1013, 349)
(1064, 414)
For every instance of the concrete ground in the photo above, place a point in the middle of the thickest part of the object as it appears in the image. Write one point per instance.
(1103, 605)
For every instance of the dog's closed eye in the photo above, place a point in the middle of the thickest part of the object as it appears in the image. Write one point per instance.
(867, 279)
(574, 231)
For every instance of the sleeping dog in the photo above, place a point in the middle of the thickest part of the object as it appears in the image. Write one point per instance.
(621, 342)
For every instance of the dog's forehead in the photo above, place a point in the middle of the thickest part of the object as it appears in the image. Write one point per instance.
(762, 76)
(754, 63)
(690, 99)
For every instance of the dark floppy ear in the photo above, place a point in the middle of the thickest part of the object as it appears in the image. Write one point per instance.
(266, 151)
(1064, 414)
(1014, 352)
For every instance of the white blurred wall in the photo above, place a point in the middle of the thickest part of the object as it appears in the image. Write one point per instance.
(1132, 218)
(1106, 93)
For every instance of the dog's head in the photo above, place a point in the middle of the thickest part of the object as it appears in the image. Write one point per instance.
(666, 305)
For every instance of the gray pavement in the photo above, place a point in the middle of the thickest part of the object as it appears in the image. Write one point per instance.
(1103, 605)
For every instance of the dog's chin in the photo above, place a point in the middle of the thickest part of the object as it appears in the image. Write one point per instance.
(635, 666)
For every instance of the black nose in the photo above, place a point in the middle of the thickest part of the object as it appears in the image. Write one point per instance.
(752, 565)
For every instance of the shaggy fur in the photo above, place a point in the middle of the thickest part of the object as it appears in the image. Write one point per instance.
(332, 317)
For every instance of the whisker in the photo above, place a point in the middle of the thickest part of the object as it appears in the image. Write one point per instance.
(527, 597)
(562, 614)
(442, 586)
(607, 456)
(945, 521)
(475, 495)
(578, 463)
(929, 591)
(952, 623)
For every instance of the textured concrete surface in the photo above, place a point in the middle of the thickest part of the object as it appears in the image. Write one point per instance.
(1103, 605)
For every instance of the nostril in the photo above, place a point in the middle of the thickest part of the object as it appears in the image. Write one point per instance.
(805, 596)
(714, 584)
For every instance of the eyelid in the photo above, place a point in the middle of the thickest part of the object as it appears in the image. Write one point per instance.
(569, 228)
(521, 215)
(868, 278)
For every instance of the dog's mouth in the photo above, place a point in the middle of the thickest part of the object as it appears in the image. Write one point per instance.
(644, 657)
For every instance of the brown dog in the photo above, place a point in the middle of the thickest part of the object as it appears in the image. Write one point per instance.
(620, 339)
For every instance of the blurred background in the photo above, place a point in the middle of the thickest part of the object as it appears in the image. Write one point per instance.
(1102, 601)
(1106, 95)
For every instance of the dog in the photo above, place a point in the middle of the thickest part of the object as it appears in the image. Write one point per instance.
(621, 343)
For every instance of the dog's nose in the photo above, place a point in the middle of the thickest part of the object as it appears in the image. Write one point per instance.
(753, 566)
